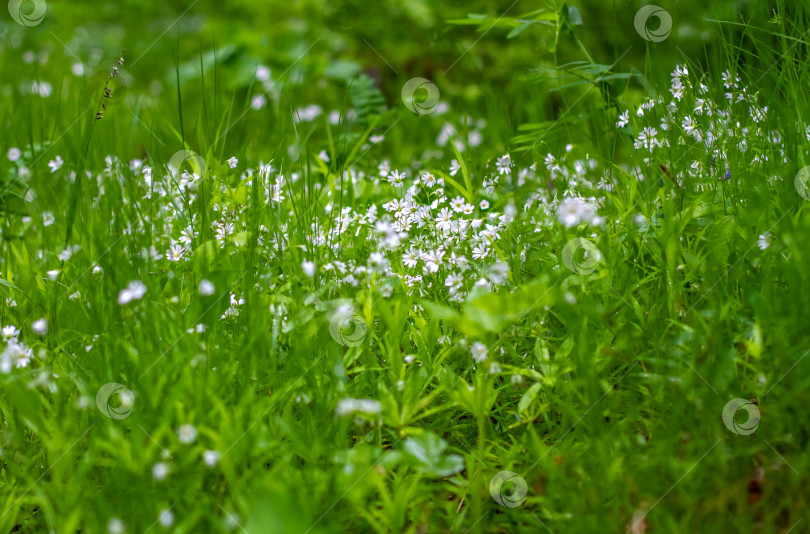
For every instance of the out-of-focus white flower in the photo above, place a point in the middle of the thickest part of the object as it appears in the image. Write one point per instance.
(350, 406)
(258, 102)
(15, 355)
(211, 458)
(40, 326)
(160, 471)
(134, 291)
(166, 518)
(55, 164)
(116, 526)
(187, 433)
(206, 288)
(262, 73)
(764, 241)
(498, 273)
(573, 211)
(377, 263)
(479, 351)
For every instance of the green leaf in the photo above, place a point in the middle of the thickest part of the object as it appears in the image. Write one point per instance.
(527, 398)
(8, 284)
(517, 31)
(574, 17)
(465, 172)
(425, 453)
(485, 311)
(719, 240)
(439, 311)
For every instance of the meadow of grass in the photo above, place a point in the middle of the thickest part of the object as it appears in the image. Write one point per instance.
(404, 267)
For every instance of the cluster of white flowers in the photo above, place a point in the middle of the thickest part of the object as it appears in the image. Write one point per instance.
(720, 133)
(422, 232)
(16, 354)
(574, 210)
(426, 237)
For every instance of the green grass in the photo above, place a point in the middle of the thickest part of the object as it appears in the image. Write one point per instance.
(295, 370)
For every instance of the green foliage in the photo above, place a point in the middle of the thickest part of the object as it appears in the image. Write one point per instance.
(366, 98)
(329, 391)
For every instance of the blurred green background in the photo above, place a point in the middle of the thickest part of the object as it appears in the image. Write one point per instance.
(315, 52)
